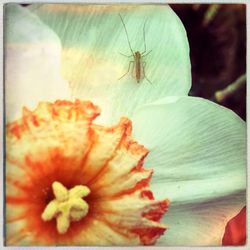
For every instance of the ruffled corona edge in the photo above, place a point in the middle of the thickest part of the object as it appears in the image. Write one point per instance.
(59, 142)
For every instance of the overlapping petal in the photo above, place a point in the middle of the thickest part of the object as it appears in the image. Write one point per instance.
(93, 38)
(199, 152)
(32, 62)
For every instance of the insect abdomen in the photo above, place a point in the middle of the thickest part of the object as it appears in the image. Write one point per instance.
(138, 66)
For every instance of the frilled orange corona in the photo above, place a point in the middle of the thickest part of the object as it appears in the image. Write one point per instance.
(72, 182)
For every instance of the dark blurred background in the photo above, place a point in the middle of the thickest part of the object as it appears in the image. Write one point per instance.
(217, 40)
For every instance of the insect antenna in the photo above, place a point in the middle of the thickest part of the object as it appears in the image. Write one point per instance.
(144, 38)
(126, 34)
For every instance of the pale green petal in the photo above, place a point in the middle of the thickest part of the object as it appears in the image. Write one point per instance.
(93, 38)
(32, 62)
(198, 152)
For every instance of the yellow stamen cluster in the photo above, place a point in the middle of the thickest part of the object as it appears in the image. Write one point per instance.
(67, 206)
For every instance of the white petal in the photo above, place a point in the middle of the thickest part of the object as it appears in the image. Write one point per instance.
(198, 152)
(32, 62)
(93, 37)
(201, 224)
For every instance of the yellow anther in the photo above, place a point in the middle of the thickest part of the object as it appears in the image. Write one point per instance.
(67, 206)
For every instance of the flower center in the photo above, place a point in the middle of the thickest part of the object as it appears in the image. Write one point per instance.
(67, 206)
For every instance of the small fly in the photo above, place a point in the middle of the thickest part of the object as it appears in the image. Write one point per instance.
(138, 64)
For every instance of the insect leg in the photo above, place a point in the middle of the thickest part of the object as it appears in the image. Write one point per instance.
(127, 71)
(146, 53)
(143, 67)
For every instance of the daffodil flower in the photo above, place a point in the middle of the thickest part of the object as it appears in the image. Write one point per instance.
(72, 182)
